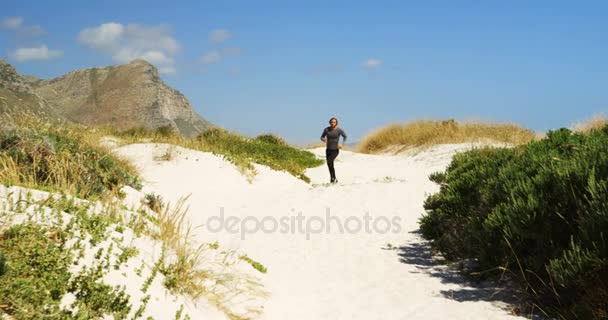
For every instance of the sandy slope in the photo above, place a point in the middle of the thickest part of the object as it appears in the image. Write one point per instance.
(331, 275)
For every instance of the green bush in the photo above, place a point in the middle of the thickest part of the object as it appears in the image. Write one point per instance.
(272, 139)
(540, 211)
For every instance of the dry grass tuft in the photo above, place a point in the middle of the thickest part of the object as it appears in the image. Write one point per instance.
(425, 133)
(190, 269)
(60, 158)
(596, 122)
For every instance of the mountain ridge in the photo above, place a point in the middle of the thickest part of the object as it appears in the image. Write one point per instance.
(124, 96)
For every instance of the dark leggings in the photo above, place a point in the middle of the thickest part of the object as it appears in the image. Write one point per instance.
(331, 155)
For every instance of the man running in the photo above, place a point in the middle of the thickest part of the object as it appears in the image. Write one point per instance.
(331, 137)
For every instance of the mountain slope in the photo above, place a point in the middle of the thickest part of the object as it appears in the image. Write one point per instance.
(122, 96)
(16, 95)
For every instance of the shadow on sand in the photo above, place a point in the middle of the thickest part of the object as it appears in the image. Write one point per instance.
(418, 253)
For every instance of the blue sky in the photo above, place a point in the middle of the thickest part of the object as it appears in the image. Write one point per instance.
(286, 66)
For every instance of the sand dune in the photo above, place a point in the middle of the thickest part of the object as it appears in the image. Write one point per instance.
(384, 272)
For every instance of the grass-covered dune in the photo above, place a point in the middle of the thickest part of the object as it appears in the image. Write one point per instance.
(265, 149)
(69, 208)
(424, 133)
(537, 212)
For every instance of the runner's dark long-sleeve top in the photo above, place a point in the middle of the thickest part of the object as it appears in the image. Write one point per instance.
(333, 137)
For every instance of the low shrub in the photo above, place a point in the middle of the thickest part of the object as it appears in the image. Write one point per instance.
(539, 211)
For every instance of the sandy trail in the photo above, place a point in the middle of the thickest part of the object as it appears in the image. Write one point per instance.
(380, 274)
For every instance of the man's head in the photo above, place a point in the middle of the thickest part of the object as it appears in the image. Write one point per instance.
(333, 122)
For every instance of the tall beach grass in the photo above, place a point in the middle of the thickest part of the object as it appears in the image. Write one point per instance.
(425, 133)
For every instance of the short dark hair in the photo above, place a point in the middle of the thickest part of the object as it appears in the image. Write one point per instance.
(333, 118)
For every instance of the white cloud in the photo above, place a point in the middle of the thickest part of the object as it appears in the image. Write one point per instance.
(132, 41)
(35, 53)
(372, 63)
(16, 24)
(211, 57)
(219, 35)
(105, 37)
(12, 23)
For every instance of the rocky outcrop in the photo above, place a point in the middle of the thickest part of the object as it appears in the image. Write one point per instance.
(122, 96)
(16, 95)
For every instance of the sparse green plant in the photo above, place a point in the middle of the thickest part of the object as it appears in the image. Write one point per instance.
(167, 155)
(31, 245)
(154, 202)
(256, 265)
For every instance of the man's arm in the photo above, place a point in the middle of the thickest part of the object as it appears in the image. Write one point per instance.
(323, 135)
(343, 134)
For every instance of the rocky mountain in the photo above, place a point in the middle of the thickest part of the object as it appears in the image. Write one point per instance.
(16, 95)
(122, 96)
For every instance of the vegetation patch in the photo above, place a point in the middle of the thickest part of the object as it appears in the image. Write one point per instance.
(267, 149)
(38, 257)
(256, 265)
(35, 154)
(538, 212)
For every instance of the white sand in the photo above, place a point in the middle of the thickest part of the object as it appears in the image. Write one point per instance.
(356, 275)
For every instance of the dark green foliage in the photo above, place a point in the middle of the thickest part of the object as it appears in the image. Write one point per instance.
(540, 211)
(2, 263)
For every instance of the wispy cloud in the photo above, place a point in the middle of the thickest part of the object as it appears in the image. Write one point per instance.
(211, 57)
(42, 52)
(124, 43)
(372, 63)
(219, 35)
(12, 23)
(16, 24)
(214, 56)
